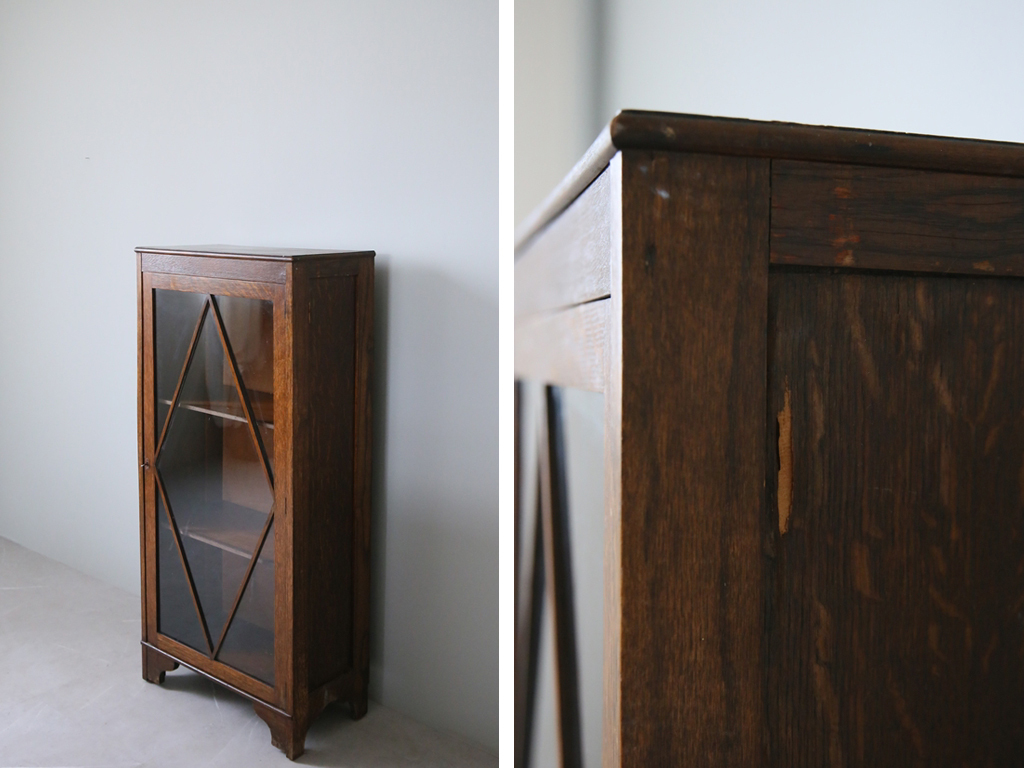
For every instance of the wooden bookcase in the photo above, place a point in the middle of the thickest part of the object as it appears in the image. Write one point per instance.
(254, 480)
(808, 340)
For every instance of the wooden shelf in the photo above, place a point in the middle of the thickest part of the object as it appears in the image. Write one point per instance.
(231, 410)
(231, 528)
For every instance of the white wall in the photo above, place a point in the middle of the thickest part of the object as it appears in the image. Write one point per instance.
(557, 75)
(945, 68)
(285, 122)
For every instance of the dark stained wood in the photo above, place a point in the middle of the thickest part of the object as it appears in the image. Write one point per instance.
(296, 612)
(554, 509)
(215, 285)
(286, 733)
(156, 665)
(829, 215)
(895, 634)
(140, 366)
(227, 676)
(567, 263)
(147, 533)
(322, 331)
(334, 267)
(565, 348)
(814, 505)
(792, 141)
(253, 254)
(224, 268)
(361, 476)
(176, 532)
(284, 505)
(694, 293)
(650, 131)
(329, 442)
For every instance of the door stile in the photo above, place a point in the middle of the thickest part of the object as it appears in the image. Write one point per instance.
(148, 405)
(284, 462)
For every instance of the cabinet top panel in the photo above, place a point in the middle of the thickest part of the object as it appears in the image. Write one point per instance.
(249, 252)
(666, 131)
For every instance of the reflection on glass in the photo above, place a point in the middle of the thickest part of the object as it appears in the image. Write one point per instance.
(583, 429)
(211, 469)
(583, 419)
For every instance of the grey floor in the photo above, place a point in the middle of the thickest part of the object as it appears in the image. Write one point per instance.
(72, 694)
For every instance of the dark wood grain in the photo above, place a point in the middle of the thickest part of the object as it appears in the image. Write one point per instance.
(147, 448)
(251, 254)
(217, 285)
(215, 670)
(361, 486)
(156, 665)
(895, 634)
(322, 340)
(829, 215)
(287, 733)
(224, 268)
(141, 411)
(329, 432)
(694, 294)
(661, 131)
(565, 348)
(567, 262)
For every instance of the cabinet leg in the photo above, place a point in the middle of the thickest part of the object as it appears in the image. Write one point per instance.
(286, 733)
(359, 705)
(155, 665)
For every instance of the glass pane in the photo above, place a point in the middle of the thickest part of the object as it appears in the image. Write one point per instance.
(583, 420)
(178, 617)
(544, 749)
(583, 430)
(211, 469)
(249, 643)
(250, 326)
(174, 316)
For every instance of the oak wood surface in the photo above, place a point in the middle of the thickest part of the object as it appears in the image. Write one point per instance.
(322, 326)
(361, 487)
(251, 253)
(285, 639)
(670, 132)
(328, 442)
(894, 628)
(215, 285)
(694, 291)
(226, 268)
(827, 215)
(567, 263)
(565, 348)
(812, 556)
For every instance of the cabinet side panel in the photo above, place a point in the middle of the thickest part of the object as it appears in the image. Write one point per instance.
(896, 489)
(694, 307)
(330, 383)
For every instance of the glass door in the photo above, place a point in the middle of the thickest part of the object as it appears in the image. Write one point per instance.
(213, 468)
